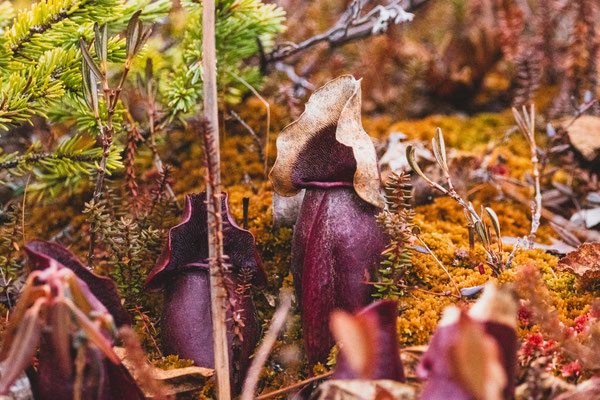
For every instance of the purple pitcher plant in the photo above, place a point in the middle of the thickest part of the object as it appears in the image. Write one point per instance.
(337, 242)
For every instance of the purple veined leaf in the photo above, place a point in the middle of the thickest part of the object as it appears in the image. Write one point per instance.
(23, 347)
(380, 338)
(28, 297)
(182, 273)
(336, 238)
(40, 255)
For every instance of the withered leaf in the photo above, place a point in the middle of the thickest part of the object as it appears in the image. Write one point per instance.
(178, 380)
(584, 135)
(584, 263)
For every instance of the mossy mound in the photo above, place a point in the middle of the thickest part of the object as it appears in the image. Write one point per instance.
(442, 222)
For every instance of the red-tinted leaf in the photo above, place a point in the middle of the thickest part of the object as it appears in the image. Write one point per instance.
(24, 345)
(92, 332)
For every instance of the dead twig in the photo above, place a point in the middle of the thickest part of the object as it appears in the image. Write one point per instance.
(514, 193)
(277, 324)
(294, 386)
(526, 123)
(255, 138)
(268, 108)
(350, 27)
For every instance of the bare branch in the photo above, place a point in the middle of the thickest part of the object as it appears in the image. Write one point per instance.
(351, 26)
(277, 324)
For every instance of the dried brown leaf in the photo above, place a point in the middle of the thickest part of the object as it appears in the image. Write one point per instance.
(584, 135)
(584, 263)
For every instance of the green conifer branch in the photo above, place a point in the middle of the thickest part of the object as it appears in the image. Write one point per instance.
(239, 26)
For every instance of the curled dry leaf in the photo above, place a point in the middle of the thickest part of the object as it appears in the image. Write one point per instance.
(584, 135)
(336, 237)
(327, 145)
(584, 263)
(175, 381)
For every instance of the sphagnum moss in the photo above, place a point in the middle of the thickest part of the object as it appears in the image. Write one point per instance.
(442, 222)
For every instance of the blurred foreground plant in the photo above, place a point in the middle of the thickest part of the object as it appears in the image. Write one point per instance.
(58, 312)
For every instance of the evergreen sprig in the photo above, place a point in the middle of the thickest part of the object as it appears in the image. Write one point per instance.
(397, 223)
(240, 26)
(61, 169)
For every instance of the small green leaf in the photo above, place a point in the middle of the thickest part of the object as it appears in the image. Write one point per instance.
(132, 34)
(439, 151)
(88, 58)
(412, 162)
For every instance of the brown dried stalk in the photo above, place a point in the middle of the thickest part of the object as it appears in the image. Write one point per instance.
(255, 138)
(295, 386)
(218, 292)
(277, 324)
(526, 123)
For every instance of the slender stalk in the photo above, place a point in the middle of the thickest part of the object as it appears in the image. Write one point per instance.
(277, 324)
(441, 265)
(218, 292)
(526, 124)
(296, 385)
(268, 108)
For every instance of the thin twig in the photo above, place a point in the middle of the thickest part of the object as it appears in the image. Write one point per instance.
(268, 107)
(294, 386)
(513, 192)
(526, 124)
(257, 143)
(351, 27)
(277, 324)
(440, 264)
